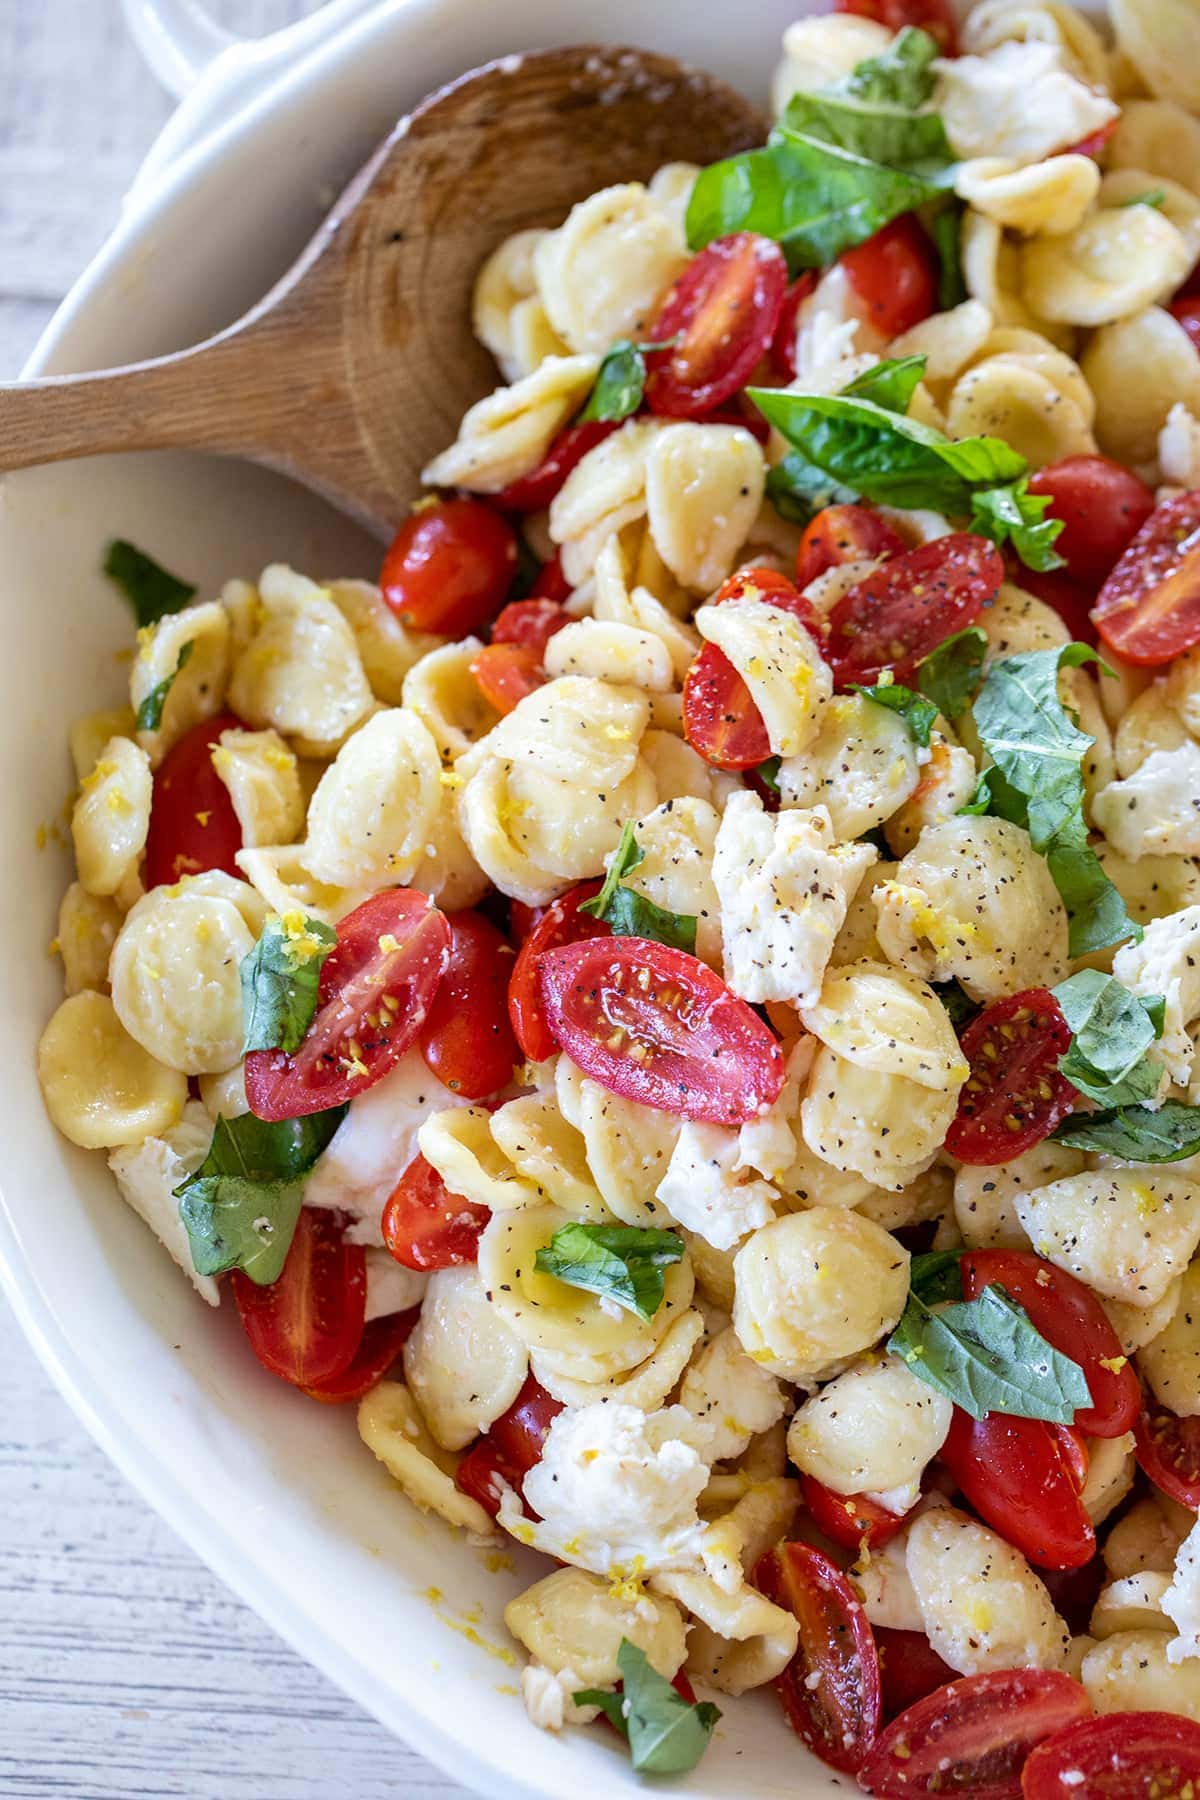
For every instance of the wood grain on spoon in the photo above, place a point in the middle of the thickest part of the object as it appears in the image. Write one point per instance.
(358, 365)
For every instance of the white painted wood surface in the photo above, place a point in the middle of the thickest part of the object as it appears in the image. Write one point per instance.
(127, 1671)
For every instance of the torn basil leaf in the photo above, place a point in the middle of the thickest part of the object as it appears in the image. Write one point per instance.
(151, 590)
(1152, 197)
(950, 674)
(1139, 1134)
(280, 978)
(629, 913)
(768, 773)
(150, 712)
(667, 1734)
(798, 491)
(621, 382)
(987, 1357)
(619, 1262)
(1012, 515)
(945, 228)
(936, 1275)
(917, 712)
(1111, 1032)
(890, 384)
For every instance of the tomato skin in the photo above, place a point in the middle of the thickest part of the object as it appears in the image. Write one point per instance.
(358, 976)
(193, 826)
(1187, 311)
(909, 1668)
(701, 1052)
(720, 720)
(381, 1343)
(724, 309)
(1023, 1477)
(783, 344)
(934, 16)
(427, 1227)
(1102, 506)
(901, 611)
(895, 274)
(1095, 144)
(510, 1447)
(842, 534)
(1071, 602)
(449, 567)
(483, 1475)
(1148, 610)
(531, 623)
(1014, 1095)
(1168, 1452)
(838, 1717)
(466, 1039)
(535, 491)
(1069, 1317)
(307, 1326)
(551, 583)
(1121, 1756)
(506, 674)
(559, 923)
(974, 1736)
(850, 1519)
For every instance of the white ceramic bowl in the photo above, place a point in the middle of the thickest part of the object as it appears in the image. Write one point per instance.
(276, 1494)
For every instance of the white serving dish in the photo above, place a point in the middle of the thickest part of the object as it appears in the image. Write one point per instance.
(277, 1494)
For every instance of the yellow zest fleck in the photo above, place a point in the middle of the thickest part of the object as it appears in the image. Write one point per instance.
(1147, 1201)
(41, 837)
(203, 933)
(498, 1562)
(423, 503)
(450, 778)
(276, 757)
(1114, 1364)
(100, 773)
(117, 801)
(387, 944)
(302, 943)
(202, 818)
(617, 734)
(53, 947)
(978, 1614)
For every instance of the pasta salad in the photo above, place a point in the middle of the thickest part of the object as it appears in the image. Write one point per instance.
(680, 1004)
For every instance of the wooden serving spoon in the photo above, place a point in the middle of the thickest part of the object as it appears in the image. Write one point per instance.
(358, 365)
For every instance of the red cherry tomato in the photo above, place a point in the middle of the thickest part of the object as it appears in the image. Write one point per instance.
(897, 614)
(551, 583)
(842, 534)
(531, 623)
(720, 720)
(307, 1326)
(1168, 1452)
(1069, 1317)
(377, 985)
(723, 309)
(895, 274)
(850, 1519)
(830, 1690)
(560, 923)
(656, 1025)
(1075, 1591)
(1024, 1478)
(522, 919)
(934, 16)
(193, 826)
(535, 491)
(466, 1038)
(1014, 1095)
(510, 1448)
(974, 1736)
(483, 1475)
(1148, 610)
(1072, 603)
(1093, 145)
(909, 1668)
(1187, 311)
(381, 1343)
(449, 567)
(425, 1226)
(1102, 506)
(742, 412)
(783, 344)
(1121, 1756)
(507, 673)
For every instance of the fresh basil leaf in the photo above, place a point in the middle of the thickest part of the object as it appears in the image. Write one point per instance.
(621, 382)
(890, 384)
(946, 230)
(890, 459)
(618, 1262)
(917, 712)
(150, 712)
(768, 773)
(798, 491)
(1111, 1033)
(1142, 1134)
(987, 1357)
(961, 1008)
(1012, 515)
(877, 130)
(629, 913)
(902, 75)
(950, 674)
(667, 1734)
(625, 859)
(1152, 197)
(240, 1207)
(151, 590)
(280, 977)
(936, 1275)
(1156, 1011)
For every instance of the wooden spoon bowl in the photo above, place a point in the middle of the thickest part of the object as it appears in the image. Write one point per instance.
(358, 365)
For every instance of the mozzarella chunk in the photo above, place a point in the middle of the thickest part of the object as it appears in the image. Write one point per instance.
(984, 1195)
(463, 1364)
(704, 1190)
(1167, 962)
(1170, 1362)
(147, 1176)
(871, 1430)
(1157, 808)
(1126, 1233)
(788, 678)
(730, 1397)
(1017, 101)
(784, 886)
(391, 1288)
(1180, 1601)
(549, 1699)
(981, 1604)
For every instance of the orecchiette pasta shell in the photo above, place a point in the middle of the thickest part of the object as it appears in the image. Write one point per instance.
(541, 1145)
(1002, 397)
(1050, 196)
(819, 52)
(485, 818)
(628, 1150)
(386, 648)
(1179, 448)
(568, 833)
(1159, 37)
(1130, 1672)
(447, 871)
(460, 1145)
(300, 670)
(1133, 1603)
(392, 1429)
(677, 840)
(1158, 136)
(369, 818)
(101, 1088)
(603, 273)
(610, 652)
(463, 1364)
(786, 674)
(1150, 724)
(506, 282)
(200, 636)
(507, 435)
(112, 816)
(991, 266)
(680, 774)
(1170, 1362)
(947, 783)
(87, 929)
(576, 1621)
(605, 491)
(447, 699)
(648, 1386)
(1138, 369)
(1118, 261)
(1127, 1233)
(737, 1641)
(1136, 1325)
(871, 1429)
(982, 1605)
(87, 736)
(1111, 1470)
(704, 488)
(280, 874)
(862, 765)
(574, 729)
(984, 1196)
(885, 1127)
(263, 780)
(175, 977)
(884, 1019)
(947, 340)
(1082, 49)
(1174, 201)
(671, 187)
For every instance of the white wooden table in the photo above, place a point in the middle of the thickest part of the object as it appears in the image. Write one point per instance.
(127, 1672)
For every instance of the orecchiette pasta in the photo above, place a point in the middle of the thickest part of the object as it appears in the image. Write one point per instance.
(101, 1087)
(507, 313)
(1138, 369)
(981, 1604)
(263, 780)
(1159, 38)
(648, 1386)
(1050, 196)
(506, 436)
(112, 816)
(370, 816)
(1130, 1671)
(88, 736)
(736, 1641)
(189, 651)
(299, 669)
(603, 273)
(984, 1197)
(392, 1429)
(1126, 1233)
(147, 1173)
(462, 1363)
(572, 1620)
(87, 929)
(704, 488)
(1170, 1362)
(872, 1431)
(445, 696)
(611, 652)
(386, 648)
(862, 765)
(1079, 44)
(788, 679)
(1159, 137)
(1119, 260)
(605, 491)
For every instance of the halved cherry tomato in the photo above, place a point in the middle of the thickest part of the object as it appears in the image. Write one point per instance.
(895, 275)
(974, 1736)
(512, 1446)
(1187, 311)
(466, 1038)
(1069, 1317)
(743, 413)
(531, 623)
(449, 567)
(1168, 1452)
(1071, 602)
(850, 1519)
(425, 1226)
(909, 1668)
(551, 583)
(1024, 1478)
(1102, 506)
(1013, 1096)
(830, 1690)
(1075, 1591)
(1149, 608)
(897, 614)
(522, 919)
(934, 16)
(193, 826)
(720, 720)
(783, 344)
(560, 923)
(507, 673)
(377, 985)
(307, 1326)
(723, 309)
(533, 492)
(842, 534)
(656, 1025)
(483, 1475)
(1094, 144)
(381, 1343)
(1121, 1756)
